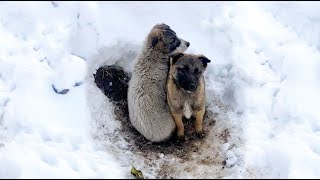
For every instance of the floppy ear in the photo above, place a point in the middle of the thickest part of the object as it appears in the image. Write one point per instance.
(174, 57)
(204, 60)
(154, 41)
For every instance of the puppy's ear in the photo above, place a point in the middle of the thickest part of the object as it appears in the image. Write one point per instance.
(162, 26)
(175, 57)
(154, 41)
(204, 60)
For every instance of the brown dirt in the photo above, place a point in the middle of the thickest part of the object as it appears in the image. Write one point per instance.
(202, 152)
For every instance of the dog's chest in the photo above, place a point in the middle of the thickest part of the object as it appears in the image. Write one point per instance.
(187, 111)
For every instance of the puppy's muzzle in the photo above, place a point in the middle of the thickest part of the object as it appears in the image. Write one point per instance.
(183, 46)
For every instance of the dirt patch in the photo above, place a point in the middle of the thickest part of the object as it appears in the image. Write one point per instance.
(141, 144)
(169, 159)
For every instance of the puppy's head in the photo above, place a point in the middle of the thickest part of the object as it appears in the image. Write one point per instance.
(187, 70)
(162, 38)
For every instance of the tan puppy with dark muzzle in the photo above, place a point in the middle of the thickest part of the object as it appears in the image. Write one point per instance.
(186, 90)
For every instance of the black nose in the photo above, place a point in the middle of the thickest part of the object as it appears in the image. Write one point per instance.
(187, 44)
(192, 86)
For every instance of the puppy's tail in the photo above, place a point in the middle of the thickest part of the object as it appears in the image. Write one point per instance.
(113, 82)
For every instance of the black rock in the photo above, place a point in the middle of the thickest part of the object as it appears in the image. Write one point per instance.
(113, 81)
(64, 91)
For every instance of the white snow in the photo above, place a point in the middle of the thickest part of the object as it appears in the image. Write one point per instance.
(265, 67)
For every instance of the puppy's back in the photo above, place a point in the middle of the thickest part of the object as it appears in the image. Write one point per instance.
(148, 111)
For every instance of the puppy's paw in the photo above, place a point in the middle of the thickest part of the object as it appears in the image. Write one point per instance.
(181, 138)
(200, 134)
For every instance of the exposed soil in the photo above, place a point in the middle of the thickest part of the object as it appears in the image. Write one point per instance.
(113, 81)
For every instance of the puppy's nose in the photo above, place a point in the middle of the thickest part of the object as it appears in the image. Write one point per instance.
(187, 44)
(192, 86)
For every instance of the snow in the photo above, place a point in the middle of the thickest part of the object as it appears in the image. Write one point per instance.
(265, 70)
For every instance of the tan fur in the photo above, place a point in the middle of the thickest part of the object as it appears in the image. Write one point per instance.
(177, 97)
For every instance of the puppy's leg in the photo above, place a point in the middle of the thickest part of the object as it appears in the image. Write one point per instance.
(180, 127)
(198, 123)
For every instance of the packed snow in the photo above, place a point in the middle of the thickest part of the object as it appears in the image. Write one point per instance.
(262, 88)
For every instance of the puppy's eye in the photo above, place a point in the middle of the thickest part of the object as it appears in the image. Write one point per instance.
(196, 71)
(177, 43)
(185, 69)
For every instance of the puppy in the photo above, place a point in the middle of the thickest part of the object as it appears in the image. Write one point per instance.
(148, 110)
(186, 90)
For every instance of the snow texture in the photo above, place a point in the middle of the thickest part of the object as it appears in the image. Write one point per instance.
(262, 89)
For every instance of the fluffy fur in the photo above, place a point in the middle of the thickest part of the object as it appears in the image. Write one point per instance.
(148, 110)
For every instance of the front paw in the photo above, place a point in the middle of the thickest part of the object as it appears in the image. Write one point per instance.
(200, 134)
(181, 138)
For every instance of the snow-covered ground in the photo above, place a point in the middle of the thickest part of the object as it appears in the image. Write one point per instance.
(262, 86)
